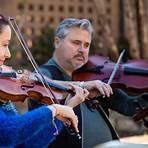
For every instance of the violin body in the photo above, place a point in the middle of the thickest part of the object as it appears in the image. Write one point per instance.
(131, 76)
(16, 89)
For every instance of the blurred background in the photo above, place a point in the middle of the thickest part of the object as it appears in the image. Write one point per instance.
(118, 25)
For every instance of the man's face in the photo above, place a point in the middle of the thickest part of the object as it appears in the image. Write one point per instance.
(73, 50)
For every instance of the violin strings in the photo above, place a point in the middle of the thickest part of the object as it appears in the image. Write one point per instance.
(115, 68)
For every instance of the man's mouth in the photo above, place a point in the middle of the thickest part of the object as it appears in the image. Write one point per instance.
(80, 58)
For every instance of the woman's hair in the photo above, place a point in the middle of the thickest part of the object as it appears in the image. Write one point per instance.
(68, 23)
(3, 22)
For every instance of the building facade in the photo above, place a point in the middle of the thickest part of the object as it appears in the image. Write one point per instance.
(32, 15)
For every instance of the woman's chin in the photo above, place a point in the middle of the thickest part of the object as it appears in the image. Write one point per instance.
(1, 63)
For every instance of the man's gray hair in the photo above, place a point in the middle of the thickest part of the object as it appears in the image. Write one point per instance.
(64, 26)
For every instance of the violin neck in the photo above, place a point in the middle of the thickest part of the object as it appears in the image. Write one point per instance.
(8, 74)
(135, 70)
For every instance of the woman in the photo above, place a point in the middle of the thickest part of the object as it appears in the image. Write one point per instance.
(36, 128)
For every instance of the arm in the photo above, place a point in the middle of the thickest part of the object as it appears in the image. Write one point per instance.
(19, 128)
(16, 129)
(80, 96)
(95, 87)
(125, 104)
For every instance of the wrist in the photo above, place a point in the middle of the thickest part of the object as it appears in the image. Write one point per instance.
(82, 84)
(53, 109)
(56, 107)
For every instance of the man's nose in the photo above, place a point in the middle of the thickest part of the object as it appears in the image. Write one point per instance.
(7, 53)
(82, 48)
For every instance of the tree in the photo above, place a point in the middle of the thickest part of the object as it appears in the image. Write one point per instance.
(43, 45)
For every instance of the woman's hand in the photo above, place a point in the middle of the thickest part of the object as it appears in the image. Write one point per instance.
(65, 114)
(80, 96)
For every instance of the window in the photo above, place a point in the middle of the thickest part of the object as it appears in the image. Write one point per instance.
(31, 7)
(108, 10)
(42, 19)
(51, 20)
(100, 32)
(30, 18)
(61, 19)
(20, 6)
(108, 1)
(80, 9)
(90, 9)
(51, 8)
(71, 8)
(61, 8)
(99, 22)
(29, 31)
(109, 22)
(41, 7)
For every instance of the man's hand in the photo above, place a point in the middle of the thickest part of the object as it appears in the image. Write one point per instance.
(98, 88)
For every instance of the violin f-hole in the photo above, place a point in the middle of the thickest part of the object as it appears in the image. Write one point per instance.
(27, 86)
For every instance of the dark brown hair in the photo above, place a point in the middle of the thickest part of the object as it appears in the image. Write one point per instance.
(3, 22)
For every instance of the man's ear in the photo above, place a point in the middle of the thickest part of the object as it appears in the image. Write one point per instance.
(56, 42)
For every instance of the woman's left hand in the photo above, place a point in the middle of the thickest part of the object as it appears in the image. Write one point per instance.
(80, 96)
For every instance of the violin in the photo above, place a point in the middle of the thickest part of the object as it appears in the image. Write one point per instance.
(131, 77)
(15, 88)
(142, 114)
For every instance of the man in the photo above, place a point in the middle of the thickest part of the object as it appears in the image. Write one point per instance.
(72, 42)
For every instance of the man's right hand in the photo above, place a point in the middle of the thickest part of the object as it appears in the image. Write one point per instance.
(97, 88)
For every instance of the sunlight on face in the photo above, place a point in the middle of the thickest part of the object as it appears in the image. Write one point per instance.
(5, 37)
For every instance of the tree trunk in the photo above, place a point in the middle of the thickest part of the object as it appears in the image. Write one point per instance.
(131, 29)
(143, 28)
(106, 31)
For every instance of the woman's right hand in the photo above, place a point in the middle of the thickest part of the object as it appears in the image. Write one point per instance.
(65, 114)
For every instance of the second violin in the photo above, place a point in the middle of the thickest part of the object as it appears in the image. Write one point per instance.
(131, 76)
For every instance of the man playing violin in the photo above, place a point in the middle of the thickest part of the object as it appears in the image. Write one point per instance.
(72, 41)
(36, 128)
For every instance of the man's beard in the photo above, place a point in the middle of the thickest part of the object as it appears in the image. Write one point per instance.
(76, 65)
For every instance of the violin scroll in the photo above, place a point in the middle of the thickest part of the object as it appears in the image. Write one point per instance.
(142, 115)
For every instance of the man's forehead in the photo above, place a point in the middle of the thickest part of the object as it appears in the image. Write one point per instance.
(77, 28)
(78, 33)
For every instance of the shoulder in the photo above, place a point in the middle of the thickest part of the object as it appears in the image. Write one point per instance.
(49, 68)
(45, 68)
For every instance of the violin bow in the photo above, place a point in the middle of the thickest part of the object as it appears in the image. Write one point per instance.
(17, 31)
(116, 67)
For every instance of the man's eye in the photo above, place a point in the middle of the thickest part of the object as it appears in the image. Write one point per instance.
(86, 45)
(76, 42)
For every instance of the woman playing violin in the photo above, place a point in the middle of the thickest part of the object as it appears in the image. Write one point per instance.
(34, 128)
